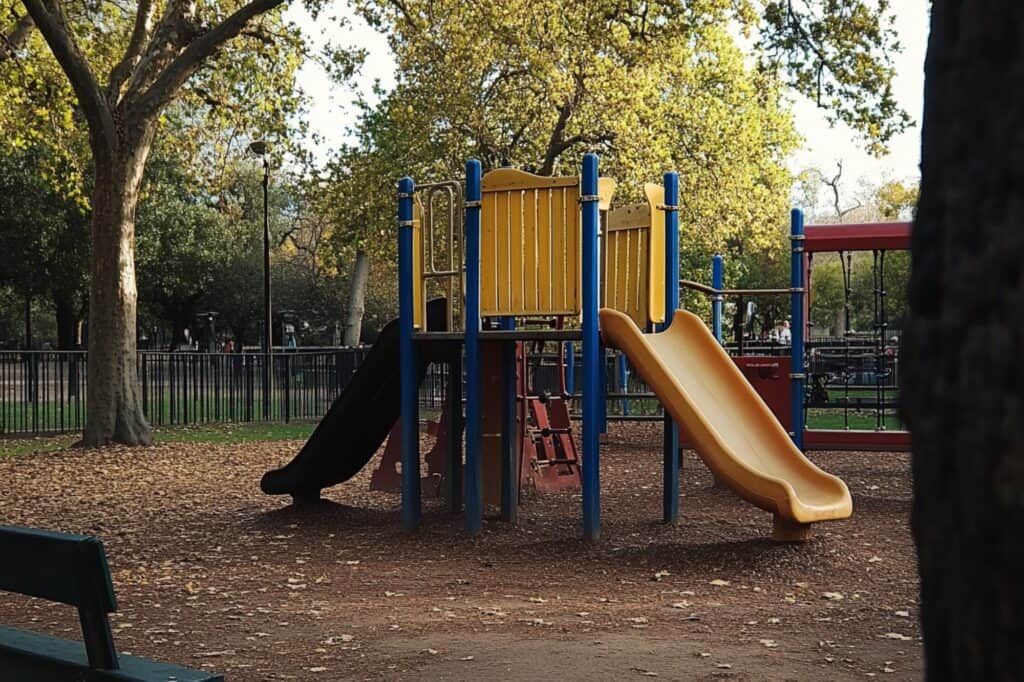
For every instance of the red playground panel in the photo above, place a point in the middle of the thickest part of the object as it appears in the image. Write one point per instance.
(857, 237)
(852, 439)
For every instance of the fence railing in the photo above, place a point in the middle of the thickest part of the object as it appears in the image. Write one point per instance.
(45, 391)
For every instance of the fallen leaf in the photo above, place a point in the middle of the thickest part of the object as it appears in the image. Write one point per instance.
(832, 596)
(770, 643)
(659, 575)
(895, 635)
(903, 614)
(718, 582)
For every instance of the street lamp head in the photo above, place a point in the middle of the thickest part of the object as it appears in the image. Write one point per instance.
(258, 147)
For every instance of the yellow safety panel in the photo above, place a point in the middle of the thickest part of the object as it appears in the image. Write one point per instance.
(605, 192)
(530, 244)
(419, 310)
(634, 259)
(656, 258)
(626, 249)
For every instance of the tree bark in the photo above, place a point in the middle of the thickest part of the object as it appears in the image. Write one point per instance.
(114, 402)
(357, 299)
(961, 369)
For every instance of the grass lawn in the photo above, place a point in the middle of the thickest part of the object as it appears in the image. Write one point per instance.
(206, 433)
(859, 419)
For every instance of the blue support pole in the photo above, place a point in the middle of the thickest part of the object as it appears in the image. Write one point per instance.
(593, 374)
(670, 483)
(717, 282)
(509, 428)
(410, 417)
(796, 300)
(474, 501)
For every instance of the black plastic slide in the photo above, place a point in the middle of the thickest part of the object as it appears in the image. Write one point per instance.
(347, 437)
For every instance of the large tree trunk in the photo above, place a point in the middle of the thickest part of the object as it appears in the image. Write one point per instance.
(114, 400)
(357, 299)
(962, 375)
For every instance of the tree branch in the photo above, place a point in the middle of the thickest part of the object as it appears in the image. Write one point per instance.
(140, 34)
(16, 39)
(52, 24)
(172, 33)
(185, 64)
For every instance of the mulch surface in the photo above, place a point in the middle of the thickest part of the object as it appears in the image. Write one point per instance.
(212, 574)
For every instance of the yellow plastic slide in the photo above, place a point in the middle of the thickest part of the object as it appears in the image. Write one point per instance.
(730, 426)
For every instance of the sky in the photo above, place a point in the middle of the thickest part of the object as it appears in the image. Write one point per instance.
(331, 113)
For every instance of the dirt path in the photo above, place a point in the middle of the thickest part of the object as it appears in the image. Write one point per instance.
(210, 573)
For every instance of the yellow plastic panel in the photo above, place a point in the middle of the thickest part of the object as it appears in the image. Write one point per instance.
(419, 311)
(529, 244)
(626, 247)
(656, 254)
(731, 427)
(605, 192)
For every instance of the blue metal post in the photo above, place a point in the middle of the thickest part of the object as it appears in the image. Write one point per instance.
(410, 417)
(717, 282)
(670, 483)
(593, 374)
(796, 301)
(473, 472)
(509, 428)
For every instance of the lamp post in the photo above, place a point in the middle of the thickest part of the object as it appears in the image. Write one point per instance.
(259, 147)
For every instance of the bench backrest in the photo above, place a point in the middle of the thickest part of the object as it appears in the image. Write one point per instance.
(61, 567)
(66, 568)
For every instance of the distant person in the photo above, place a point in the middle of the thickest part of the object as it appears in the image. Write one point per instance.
(229, 346)
(785, 335)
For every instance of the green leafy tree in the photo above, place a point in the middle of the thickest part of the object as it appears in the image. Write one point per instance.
(43, 238)
(219, 62)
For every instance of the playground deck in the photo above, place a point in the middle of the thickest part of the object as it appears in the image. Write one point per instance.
(210, 573)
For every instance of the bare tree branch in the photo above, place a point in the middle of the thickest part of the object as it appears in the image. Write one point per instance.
(186, 63)
(140, 34)
(53, 25)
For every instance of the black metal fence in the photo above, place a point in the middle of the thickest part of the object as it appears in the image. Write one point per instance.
(45, 391)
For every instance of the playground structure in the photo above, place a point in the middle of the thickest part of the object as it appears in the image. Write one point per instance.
(523, 259)
(530, 254)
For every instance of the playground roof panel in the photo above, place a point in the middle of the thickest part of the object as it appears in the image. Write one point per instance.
(857, 237)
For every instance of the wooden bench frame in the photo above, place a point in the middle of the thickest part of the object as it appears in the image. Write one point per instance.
(70, 569)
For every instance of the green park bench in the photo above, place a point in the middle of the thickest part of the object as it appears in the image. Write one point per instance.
(71, 569)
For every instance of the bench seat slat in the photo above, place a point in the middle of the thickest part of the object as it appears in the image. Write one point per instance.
(33, 656)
